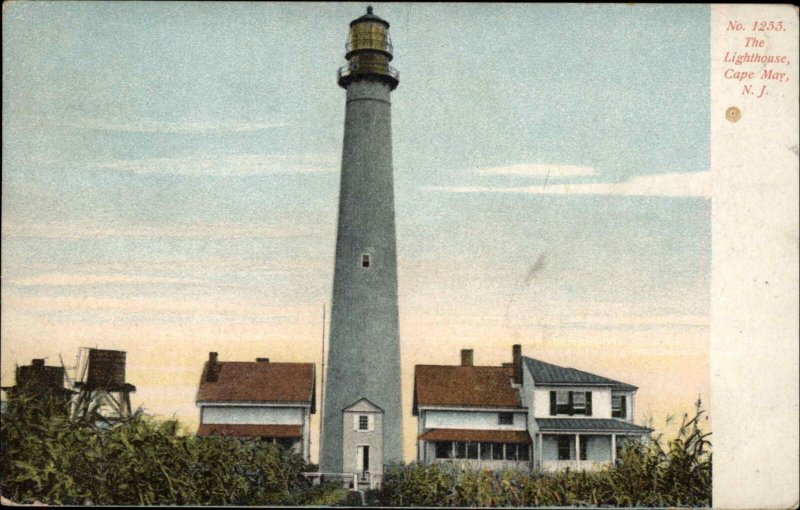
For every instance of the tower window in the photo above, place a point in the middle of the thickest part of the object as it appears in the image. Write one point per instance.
(365, 260)
(363, 422)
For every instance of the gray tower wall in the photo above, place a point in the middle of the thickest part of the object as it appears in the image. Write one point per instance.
(364, 345)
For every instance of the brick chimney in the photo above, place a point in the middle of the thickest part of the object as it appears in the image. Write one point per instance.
(516, 363)
(262, 360)
(213, 367)
(466, 357)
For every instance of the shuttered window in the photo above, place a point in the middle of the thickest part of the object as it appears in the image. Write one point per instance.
(619, 407)
(570, 402)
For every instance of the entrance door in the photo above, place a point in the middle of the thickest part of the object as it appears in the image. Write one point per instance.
(362, 459)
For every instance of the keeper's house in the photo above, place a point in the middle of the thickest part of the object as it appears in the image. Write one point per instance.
(526, 414)
(471, 415)
(258, 399)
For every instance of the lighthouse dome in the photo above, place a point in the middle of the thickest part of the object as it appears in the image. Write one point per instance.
(369, 33)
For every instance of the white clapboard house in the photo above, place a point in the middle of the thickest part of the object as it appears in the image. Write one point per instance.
(470, 415)
(528, 414)
(258, 399)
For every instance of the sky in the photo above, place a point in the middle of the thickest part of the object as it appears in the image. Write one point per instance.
(170, 183)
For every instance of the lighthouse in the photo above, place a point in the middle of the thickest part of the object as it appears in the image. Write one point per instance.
(362, 425)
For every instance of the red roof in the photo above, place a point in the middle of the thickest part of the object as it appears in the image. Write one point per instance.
(207, 429)
(482, 436)
(245, 381)
(466, 386)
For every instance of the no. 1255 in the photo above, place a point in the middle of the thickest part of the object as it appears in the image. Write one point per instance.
(768, 26)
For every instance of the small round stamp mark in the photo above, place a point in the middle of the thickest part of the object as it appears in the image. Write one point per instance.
(733, 114)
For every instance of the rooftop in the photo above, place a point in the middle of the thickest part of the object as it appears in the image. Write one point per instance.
(483, 436)
(588, 425)
(464, 386)
(549, 374)
(259, 381)
(207, 429)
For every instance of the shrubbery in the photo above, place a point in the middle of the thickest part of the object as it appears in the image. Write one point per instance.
(651, 474)
(46, 457)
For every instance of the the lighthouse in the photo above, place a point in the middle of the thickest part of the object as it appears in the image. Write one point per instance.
(362, 425)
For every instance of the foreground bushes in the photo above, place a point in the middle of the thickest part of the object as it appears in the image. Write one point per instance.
(48, 458)
(678, 474)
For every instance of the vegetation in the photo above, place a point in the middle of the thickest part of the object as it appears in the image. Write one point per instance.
(677, 473)
(46, 457)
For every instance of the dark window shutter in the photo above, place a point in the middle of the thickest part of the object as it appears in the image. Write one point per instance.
(624, 408)
(552, 403)
(588, 403)
(570, 404)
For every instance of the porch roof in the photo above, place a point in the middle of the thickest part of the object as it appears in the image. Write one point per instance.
(237, 430)
(589, 425)
(483, 436)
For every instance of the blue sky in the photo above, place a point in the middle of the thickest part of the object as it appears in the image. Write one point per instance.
(170, 177)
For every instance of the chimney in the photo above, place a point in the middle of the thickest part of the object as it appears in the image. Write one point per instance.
(213, 368)
(262, 360)
(466, 357)
(37, 362)
(516, 363)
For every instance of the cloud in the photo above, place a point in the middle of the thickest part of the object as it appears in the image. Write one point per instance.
(61, 279)
(200, 231)
(696, 184)
(178, 127)
(236, 165)
(175, 306)
(536, 170)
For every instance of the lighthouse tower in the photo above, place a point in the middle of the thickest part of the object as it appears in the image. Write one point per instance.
(362, 426)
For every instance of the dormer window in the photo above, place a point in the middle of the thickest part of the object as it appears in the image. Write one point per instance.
(365, 260)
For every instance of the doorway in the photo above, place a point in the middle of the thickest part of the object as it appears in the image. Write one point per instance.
(362, 460)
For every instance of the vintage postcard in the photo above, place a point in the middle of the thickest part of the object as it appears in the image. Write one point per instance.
(399, 254)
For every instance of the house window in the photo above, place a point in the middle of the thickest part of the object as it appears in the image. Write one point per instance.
(472, 450)
(497, 451)
(461, 450)
(365, 260)
(562, 402)
(584, 448)
(564, 450)
(363, 422)
(505, 418)
(618, 406)
(511, 451)
(444, 450)
(486, 451)
(570, 402)
(579, 402)
(523, 452)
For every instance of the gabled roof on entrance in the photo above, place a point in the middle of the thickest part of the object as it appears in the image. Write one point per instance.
(259, 381)
(482, 436)
(588, 425)
(208, 429)
(463, 386)
(363, 405)
(549, 374)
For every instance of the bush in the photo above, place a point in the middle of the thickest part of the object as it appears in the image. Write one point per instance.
(646, 474)
(46, 457)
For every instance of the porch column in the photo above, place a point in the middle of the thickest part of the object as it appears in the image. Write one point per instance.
(613, 449)
(541, 453)
(578, 450)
